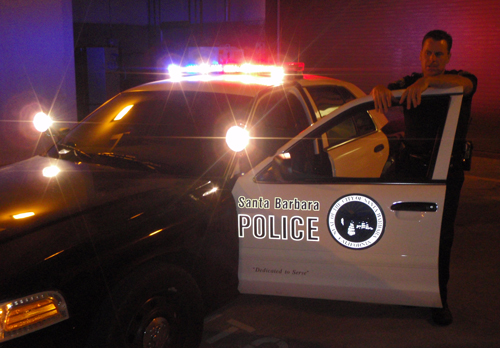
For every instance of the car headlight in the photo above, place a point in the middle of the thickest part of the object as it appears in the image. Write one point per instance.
(237, 138)
(31, 313)
(42, 122)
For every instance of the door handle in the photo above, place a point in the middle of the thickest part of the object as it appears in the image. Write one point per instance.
(378, 148)
(414, 206)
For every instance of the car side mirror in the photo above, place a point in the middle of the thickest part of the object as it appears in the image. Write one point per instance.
(279, 170)
(282, 168)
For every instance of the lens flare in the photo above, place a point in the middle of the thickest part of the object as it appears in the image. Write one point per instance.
(175, 72)
(237, 138)
(42, 122)
(50, 172)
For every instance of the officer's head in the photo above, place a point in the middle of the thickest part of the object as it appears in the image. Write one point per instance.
(435, 53)
(438, 35)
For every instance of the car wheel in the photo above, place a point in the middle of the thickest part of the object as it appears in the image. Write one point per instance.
(157, 307)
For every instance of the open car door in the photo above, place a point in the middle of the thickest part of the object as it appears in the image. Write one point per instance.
(306, 232)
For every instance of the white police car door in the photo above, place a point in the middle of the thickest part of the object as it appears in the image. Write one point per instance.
(304, 232)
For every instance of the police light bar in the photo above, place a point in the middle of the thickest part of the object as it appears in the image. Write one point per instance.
(273, 71)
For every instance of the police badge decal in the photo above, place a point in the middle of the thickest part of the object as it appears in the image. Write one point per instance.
(356, 221)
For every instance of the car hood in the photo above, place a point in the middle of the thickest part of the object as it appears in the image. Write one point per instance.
(76, 188)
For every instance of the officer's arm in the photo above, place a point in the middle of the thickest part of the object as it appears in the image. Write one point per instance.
(450, 80)
(413, 94)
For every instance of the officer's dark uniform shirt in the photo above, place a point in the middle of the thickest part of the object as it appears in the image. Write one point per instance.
(422, 124)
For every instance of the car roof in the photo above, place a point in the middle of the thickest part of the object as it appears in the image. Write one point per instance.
(314, 80)
(247, 85)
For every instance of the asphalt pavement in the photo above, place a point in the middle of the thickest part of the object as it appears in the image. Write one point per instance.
(474, 296)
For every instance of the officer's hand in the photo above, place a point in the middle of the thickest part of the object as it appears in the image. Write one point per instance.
(413, 94)
(382, 98)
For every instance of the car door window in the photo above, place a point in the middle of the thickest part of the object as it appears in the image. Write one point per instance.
(364, 123)
(329, 98)
(355, 126)
(404, 150)
(343, 131)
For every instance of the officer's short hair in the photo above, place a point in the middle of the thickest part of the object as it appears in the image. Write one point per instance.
(438, 35)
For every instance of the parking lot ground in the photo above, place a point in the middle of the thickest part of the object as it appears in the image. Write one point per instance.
(474, 296)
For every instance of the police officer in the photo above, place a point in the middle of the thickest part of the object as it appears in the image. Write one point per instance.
(434, 56)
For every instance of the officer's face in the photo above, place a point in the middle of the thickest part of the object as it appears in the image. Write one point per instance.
(434, 57)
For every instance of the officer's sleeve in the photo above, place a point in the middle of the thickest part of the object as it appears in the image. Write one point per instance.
(399, 84)
(403, 83)
(471, 77)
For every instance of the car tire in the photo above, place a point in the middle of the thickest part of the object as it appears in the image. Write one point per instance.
(159, 306)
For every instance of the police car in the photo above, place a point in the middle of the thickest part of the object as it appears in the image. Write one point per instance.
(174, 196)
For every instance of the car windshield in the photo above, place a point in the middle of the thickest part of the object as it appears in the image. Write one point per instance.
(175, 132)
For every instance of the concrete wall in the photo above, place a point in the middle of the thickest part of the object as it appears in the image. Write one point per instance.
(134, 12)
(37, 72)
